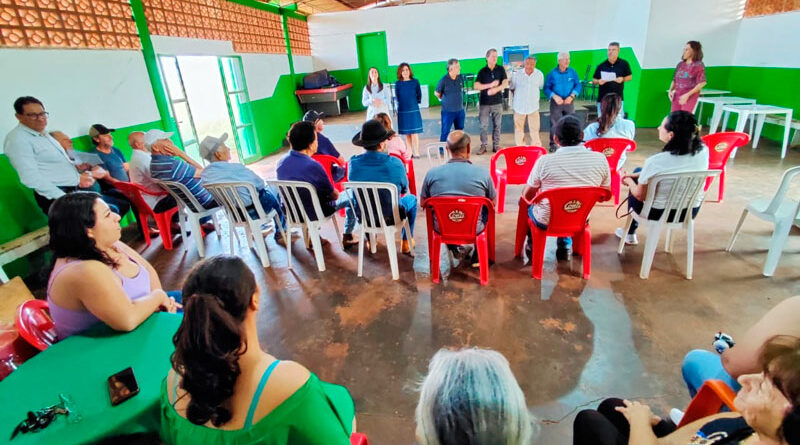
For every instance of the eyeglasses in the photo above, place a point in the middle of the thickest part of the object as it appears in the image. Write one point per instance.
(39, 419)
(41, 115)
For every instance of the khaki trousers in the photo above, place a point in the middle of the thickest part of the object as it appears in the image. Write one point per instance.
(533, 126)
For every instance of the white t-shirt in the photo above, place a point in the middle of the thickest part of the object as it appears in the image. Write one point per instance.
(666, 162)
(139, 171)
(526, 91)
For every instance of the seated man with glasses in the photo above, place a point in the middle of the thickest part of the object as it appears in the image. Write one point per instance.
(40, 161)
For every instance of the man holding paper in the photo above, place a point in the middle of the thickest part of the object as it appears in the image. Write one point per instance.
(611, 75)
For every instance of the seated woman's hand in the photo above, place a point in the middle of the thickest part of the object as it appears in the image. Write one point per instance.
(168, 304)
(636, 412)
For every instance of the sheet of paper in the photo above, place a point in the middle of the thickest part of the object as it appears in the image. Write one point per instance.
(81, 157)
(608, 75)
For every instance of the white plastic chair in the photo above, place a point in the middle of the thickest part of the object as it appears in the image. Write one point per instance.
(190, 212)
(685, 188)
(437, 153)
(227, 195)
(780, 211)
(296, 216)
(365, 197)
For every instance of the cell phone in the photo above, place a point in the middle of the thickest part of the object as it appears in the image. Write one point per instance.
(122, 386)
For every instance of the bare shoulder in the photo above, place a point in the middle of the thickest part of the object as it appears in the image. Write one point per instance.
(87, 271)
(291, 374)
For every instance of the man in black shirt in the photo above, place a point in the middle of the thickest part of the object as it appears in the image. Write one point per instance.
(611, 75)
(491, 81)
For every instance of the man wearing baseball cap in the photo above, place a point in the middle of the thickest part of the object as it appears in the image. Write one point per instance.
(221, 170)
(324, 145)
(375, 165)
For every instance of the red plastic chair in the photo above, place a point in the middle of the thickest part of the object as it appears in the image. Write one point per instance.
(519, 163)
(358, 439)
(569, 210)
(612, 148)
(34, 324)
(163, 220)
(412, 178)
(720, 146)
(327, 162)
(457, 218)
(709, 400)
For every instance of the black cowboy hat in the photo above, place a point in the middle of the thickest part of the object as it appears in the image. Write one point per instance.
(372, 133)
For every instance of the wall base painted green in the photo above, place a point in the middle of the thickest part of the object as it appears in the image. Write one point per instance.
(274, 115)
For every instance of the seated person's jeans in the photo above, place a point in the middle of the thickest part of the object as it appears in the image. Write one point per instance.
(343, 202)
(635, 205)
(561, 242)
(270, 202)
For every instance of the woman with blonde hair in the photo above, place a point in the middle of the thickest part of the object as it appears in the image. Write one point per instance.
(394, 145)
(470, 397)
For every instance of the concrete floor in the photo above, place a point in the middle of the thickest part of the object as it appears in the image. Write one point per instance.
(570, 342)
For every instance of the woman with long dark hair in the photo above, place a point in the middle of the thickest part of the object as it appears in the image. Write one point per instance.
(683, 151)
(689, 78)
(96, 278)
(224, 389)
(768, 411)
(611, 123)
(409, 96)
(376, 96)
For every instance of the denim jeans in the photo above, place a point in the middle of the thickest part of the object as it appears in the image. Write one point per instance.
(449, 118)
(343, 202)
(409, 204)
(561, 242)
(270, 202)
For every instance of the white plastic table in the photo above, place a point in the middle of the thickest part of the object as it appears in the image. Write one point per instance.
(758, 112)
(718, 102)
(706, 92)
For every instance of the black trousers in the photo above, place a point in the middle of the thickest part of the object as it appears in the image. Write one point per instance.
(607, 426)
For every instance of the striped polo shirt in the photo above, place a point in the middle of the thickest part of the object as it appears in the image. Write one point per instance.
(168, 168)
(574, 166)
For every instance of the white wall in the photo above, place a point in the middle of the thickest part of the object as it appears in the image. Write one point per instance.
(261, 71)
(78, 87)
(769, 41)
(302, 64)
(465, 29)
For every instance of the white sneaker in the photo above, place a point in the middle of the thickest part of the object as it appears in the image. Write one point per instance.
(630, 240)
(676, 416)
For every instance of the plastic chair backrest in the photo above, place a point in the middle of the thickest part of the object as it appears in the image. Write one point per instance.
(457, 216)
(685, 187)
(34, 324)
(440, 152)
(327, 162)
(359, 439)
(570, 206)
(519, 162)
(721, 145)
(402, 159)
(780, 194)
(294, 195)
(611, 148)
(182, 195)
(227, 195)
(366, 197)
(134, 194)
(710, 398)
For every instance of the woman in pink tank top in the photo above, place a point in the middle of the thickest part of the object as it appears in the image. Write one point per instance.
(97, 278)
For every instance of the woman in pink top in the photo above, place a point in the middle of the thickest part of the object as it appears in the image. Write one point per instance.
(689, 78)
(394, 145)
(96, 278)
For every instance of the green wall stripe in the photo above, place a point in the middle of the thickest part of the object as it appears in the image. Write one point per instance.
(151, 63)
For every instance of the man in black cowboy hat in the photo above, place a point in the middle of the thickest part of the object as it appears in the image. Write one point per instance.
(375, 165)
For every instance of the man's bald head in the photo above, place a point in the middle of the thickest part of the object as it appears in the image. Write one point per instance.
(63, 139)
(136, 140)
(458, 143)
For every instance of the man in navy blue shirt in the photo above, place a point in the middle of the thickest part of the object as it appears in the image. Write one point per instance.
(297, 165)
(375, 165)
(561, 86)
(450, 90)
(324, 145)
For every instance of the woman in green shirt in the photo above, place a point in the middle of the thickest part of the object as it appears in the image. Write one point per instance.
(224, 389)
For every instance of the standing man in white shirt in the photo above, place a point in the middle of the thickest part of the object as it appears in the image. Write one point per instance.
(525, 84)
(40, 162)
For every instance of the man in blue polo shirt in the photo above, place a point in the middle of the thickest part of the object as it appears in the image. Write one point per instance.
(297, 165)
(375, 165)
(561, 86)
(450, 90)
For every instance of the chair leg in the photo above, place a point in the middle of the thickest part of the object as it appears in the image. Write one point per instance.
(233, 236)
(721, 192)
(289, 247)
(313, 232)
(361, 254)
(146, 231)
(779, 236)
(306, 238)
(435, 249)
(163, 222)
(482, 244)
(586, 253)
(215, 218)
(183, 221)
(668, 241)
(522, 231)
(501, 195)
(261, 246)
(537, 253)
(627, 227)
(650, 246)
(199, 242)
(338, 234)
(736, 231)
(689, 249)
(391, 246)
(616, 185)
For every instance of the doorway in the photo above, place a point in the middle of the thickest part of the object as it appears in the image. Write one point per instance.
(208, 97)
(371, 48)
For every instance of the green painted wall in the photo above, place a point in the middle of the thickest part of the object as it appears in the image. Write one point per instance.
(274, 115)
(772, 86)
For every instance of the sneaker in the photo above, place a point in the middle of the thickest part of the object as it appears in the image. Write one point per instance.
(482, 150)
(562, 254)
(675, 415)
(495, 148)
(407, 246)
(630, 239)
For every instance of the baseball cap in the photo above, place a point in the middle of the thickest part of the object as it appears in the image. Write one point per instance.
(155, 135)
(312, 116)
(98, 129)
(210, 145)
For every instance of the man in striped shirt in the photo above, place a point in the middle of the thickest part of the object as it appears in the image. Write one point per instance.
(572, 165)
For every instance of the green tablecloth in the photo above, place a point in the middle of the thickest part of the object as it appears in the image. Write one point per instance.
(79, 367)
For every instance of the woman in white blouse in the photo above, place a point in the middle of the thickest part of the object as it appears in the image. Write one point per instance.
(376, 96)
